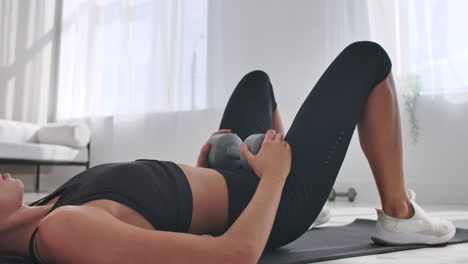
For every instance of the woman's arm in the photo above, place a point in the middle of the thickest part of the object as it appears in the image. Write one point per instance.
(253, 227)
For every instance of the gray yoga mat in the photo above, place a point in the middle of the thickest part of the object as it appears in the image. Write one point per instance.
(328, 243)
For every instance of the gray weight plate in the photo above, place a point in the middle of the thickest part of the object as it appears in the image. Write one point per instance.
(254, 142)
(223, 147)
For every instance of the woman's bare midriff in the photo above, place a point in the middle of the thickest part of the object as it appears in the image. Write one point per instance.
(210, 203)
(210, 199)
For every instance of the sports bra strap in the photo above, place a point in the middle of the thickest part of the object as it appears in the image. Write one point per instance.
(33, 249)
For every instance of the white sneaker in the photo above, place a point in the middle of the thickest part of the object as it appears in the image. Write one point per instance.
(419, 229)
(322, 218)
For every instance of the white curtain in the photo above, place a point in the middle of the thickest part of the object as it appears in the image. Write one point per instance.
(426, 39)
(28, 45)
(121, 57)
(345, 22)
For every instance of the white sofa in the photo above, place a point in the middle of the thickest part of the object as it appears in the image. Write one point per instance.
(50, 144)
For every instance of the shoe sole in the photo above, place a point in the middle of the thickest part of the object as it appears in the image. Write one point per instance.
(320, 221)
(397, 239)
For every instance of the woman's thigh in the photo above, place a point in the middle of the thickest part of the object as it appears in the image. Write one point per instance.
(250, 107)
(320, 135)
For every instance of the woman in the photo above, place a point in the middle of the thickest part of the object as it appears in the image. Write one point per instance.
(154, 211)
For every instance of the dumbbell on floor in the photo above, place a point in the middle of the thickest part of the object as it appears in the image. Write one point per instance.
(225, 150)
(351, 194)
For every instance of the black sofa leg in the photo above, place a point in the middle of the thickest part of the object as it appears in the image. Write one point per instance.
(38, 174)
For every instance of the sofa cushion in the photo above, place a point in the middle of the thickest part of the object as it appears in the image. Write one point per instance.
(14, 131)
(72, 135)
(32, 151)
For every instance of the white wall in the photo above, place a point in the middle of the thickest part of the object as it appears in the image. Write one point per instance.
(278, 37)
(285, 39)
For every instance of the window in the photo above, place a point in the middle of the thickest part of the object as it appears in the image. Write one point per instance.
(429, 41)
(119, 57)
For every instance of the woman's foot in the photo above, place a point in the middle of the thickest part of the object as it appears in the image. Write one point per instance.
(418, 229)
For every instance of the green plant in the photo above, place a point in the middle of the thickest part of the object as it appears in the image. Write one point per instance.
(411, 94)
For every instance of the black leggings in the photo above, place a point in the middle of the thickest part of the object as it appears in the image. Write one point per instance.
(319, 135)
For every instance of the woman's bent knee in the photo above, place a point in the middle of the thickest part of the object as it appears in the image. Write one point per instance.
(372, 54)
(367, 49)
(257, 75)
(257, 84)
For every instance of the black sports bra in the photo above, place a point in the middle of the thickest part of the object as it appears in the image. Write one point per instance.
(134, 184)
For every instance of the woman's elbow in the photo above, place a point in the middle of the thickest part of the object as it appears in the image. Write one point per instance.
(242, 257)
(235, 253)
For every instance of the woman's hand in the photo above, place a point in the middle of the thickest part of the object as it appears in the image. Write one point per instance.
(273, 159)
(202, 160)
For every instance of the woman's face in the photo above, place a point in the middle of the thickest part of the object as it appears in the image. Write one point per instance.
(11, 195)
